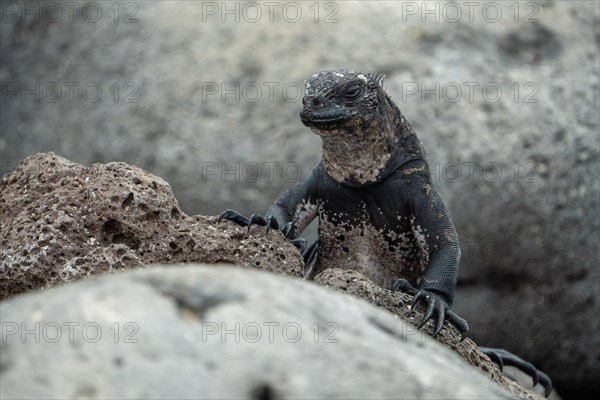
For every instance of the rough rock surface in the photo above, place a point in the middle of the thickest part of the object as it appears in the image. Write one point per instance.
(398, 303)
(532, 232)
(62, 221)
(293, 340)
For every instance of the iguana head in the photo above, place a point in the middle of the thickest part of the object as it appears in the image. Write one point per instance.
(362, 129)
(338, 102)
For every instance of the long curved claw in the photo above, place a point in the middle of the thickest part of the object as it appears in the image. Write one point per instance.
(460, 323)
(419, 297)
(494, 356)
(441, 316)
(546, 382)
(234, 216)
(435, 306)
(272, 223)
(525, 366)
(428, 314)
(503, 357)
(289, 230)
(256, 219)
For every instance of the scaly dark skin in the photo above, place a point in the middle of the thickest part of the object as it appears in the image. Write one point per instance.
(372, 192)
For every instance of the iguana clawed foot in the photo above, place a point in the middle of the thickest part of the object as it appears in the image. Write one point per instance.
(270, 222)
(435, 305)
(502, 357)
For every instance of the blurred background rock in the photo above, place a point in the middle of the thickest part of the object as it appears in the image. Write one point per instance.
(504, 96)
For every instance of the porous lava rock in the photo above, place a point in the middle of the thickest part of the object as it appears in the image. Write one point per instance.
(399, 304)
(62, 221)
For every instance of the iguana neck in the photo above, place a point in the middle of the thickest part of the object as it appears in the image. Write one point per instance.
(373, 150)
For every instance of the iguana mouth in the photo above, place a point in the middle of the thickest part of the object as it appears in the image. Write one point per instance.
(325, 119)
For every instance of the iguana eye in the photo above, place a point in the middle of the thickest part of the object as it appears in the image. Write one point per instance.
(352, 93)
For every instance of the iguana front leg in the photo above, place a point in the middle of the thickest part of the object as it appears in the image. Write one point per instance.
(291, 213)
(257, 219)
(288, 229)
(438, 242)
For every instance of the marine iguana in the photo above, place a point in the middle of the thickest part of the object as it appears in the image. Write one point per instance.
(372, 192)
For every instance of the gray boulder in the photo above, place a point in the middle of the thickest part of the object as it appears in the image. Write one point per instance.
(197, 332)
